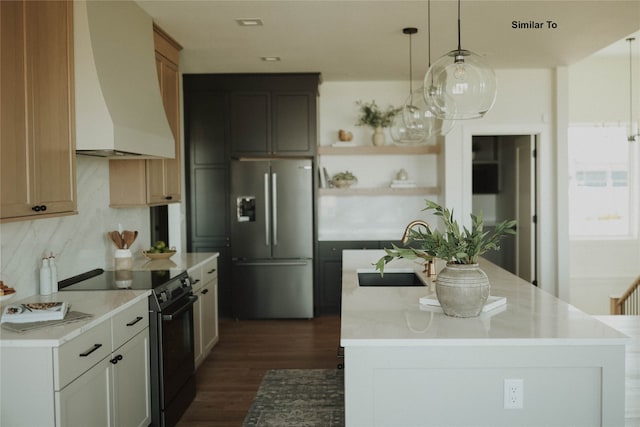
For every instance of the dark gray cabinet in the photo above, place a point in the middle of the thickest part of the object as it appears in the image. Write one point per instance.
(238, 115)
(328, 294)
(250, 118)
(273, 123)
(207, 181)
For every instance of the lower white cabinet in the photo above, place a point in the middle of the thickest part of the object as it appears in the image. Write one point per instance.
(204, 277)
(99, 378)
(87, 400)
(130, 379)
(115, 392)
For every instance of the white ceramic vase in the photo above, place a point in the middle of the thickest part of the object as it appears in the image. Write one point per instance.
(378, 137)
(462, 290)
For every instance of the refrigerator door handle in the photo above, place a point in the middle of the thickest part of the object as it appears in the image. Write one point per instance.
(274, 194)
(267, 209)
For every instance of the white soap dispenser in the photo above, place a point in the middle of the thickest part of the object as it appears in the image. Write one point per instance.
(45, 277)
(54, 273)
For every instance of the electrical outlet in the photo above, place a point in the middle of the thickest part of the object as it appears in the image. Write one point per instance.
(513, 394)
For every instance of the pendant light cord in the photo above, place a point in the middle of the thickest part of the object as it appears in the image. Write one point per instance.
(630, 39)
(429, 33)
(410, 67)
(459, 43)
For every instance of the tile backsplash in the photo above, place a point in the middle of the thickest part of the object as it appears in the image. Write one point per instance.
(78, 242)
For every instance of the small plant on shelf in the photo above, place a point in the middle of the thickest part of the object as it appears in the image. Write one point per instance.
(344, 179)
(372, 115)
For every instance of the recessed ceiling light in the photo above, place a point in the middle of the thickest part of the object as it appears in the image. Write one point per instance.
(249, 22)
(270, 58)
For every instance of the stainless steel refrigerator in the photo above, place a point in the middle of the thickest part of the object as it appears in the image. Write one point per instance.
(272, 238)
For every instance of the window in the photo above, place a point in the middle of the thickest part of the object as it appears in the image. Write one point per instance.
(603, 195)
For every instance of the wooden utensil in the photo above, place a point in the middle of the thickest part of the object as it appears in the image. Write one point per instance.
(129, 237)
(116, 238)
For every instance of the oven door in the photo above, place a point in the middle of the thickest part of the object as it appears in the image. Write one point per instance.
(176, 348)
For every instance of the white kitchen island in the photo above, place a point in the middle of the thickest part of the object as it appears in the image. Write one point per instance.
(409, 365)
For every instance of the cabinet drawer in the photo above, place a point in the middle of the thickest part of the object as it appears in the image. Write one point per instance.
(195, 273)
(210, 270)
(81, 353)
(127, 323)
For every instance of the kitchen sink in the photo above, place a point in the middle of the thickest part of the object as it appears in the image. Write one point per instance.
(389, 279)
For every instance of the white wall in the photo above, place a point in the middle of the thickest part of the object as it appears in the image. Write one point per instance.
(526, 104)
(79, 242)
(362, 217)
(599, 92)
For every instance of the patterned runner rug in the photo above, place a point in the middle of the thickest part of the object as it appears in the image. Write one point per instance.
(298, 398)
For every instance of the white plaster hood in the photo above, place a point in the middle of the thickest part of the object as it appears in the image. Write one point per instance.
(119, 110)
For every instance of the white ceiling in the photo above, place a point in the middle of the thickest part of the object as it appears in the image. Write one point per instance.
(363, 40)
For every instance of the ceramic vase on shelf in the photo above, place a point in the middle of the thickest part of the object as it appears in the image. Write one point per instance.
(378, 136)
(462, 290)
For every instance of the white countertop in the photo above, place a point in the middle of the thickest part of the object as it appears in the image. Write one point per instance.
(179, 261)
(101, 304)
(392, 316)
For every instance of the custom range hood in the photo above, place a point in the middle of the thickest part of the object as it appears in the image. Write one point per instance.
(119, 110)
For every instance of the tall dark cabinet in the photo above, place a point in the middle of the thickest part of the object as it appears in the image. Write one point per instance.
(238, 115)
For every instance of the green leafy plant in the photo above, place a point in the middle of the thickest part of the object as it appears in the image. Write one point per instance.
(455, 245)
(344, 176)
(372, 115)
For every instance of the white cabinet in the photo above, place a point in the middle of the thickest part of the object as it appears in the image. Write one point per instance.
(130, 366)
(130, 376)
(204, 277)
(114, 392)
(87, 400)
(98, 378)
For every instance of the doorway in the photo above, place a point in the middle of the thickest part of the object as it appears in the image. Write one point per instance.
(504, 187)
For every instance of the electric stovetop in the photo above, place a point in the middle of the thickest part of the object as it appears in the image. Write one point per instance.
(103, 280)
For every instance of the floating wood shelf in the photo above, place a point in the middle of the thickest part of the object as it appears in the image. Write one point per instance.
(384, 149)
(381, 191)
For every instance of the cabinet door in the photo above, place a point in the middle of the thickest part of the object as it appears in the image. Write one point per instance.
(132, 405)
(38, 149)
(210, 201)
(209, 316)
(49, 29)
(163, 175)
(331, 286)
(87, 401)
(197, 329)
(15, 153)
(250, 123)
(293, 123)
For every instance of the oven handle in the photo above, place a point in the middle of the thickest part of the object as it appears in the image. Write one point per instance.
(182, 309)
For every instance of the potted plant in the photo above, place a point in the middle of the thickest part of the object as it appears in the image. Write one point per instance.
(344, 179)
(372, 115)
(462, 287)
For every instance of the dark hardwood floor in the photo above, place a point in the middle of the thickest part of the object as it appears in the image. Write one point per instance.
(228, 379)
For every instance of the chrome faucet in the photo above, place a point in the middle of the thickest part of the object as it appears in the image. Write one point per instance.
(429, 265)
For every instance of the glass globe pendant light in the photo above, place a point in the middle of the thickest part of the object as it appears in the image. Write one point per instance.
(404, 132)
(421, 114)
(460, 85)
